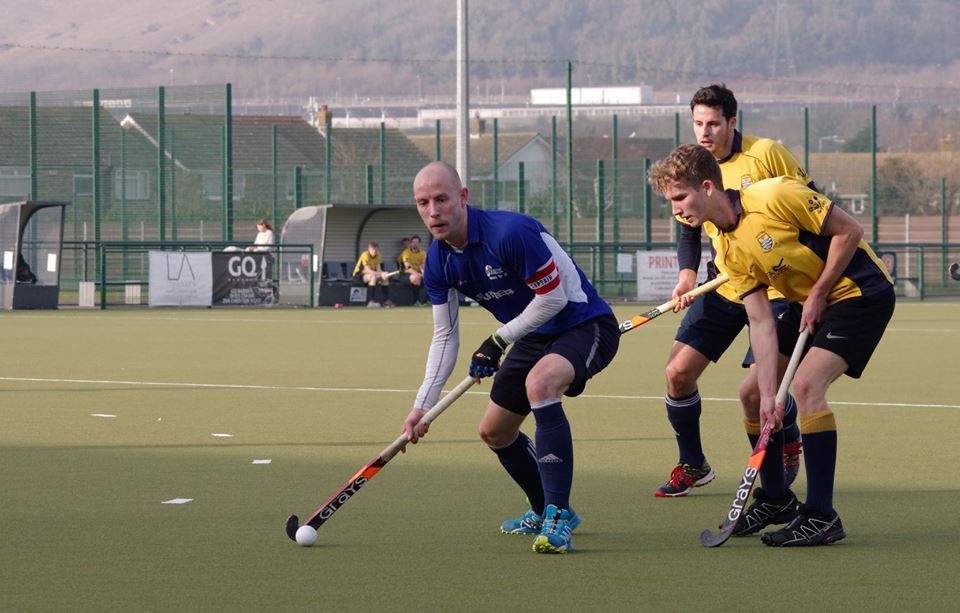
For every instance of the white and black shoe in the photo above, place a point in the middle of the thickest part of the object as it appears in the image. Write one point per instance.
(766, 511)
(808, 529)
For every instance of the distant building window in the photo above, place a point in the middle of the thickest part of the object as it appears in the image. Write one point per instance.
(14, 182)
(82, 184)
(213, 186)
(138, 185)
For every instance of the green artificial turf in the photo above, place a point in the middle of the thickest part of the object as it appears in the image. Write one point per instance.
(321, 392)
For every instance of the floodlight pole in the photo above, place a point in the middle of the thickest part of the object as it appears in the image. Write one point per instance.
(463, 95)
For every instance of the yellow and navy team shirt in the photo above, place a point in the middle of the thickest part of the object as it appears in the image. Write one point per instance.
(365, 259)
(751, 159)
(414, 259)
(777, 242)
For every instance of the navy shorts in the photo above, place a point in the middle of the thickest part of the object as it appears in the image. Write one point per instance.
(712, 323)
(589, 347)
(850, 328)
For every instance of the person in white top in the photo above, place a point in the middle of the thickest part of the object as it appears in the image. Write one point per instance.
(265, 238)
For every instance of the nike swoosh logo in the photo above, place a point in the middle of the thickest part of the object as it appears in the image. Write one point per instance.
(831, 336)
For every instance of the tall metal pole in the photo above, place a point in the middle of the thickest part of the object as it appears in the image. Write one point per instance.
(97, 205)
(161, 164)
(34, 167)
(569, 156)
(463, 95)
(874, 217)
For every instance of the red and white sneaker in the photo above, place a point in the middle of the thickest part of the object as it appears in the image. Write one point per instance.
(684, 478)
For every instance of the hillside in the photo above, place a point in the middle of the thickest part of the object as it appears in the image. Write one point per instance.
(859, 49)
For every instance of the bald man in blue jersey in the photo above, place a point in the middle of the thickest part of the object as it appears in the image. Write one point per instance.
(562, 334)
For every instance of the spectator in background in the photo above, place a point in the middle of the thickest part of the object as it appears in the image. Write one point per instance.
(404, 244)
(369, 271)
(265, 238)
(411, 260)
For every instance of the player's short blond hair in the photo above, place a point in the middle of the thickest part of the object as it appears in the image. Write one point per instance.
(689, 165)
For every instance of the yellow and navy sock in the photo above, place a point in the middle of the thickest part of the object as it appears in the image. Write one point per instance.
(772, 477)
(684, 416)
(519, 458)
(819, 432)
(554, 452)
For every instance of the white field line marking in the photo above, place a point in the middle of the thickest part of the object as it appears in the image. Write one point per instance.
(413, 391)
(263, 461)
(102, 415)
(222, 435)
(177, 501)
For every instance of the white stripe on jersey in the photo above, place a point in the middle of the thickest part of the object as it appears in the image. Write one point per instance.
(569, 278)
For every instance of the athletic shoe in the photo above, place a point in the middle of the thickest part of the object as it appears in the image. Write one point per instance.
(807, 529)
(765, 511)
(555, 535)
(373, 304)
(791, 460)
(531, 523)
(389, 304)
(684, 478)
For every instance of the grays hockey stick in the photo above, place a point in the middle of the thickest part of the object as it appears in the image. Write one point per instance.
(373, 466)
(708, 538)
(638, 320)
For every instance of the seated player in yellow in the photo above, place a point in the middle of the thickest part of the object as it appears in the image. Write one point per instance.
(779, 233)
(714, 321)
(412, 259)
(369, 271)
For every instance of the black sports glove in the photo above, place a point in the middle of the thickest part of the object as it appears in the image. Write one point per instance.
(486, 359)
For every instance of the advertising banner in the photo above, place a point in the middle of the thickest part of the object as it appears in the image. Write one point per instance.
(657, 274)
(180, 278)
(243, 279)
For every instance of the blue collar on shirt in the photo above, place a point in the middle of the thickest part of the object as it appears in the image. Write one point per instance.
(735, 148)
(737, 207)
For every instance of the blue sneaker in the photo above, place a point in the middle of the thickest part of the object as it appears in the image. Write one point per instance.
(555, 535)
(531, 523)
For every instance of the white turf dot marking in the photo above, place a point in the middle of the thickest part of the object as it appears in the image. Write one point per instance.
(261, 461)
(222, 434)
(177, 501)
(101, 415)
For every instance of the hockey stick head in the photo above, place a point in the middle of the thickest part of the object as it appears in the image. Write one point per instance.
(955, 271)
(293, 524)
(709, 539)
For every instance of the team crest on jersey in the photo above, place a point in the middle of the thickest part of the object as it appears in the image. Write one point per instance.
(494, 273)
(745, 181)
(765, 240)
(815, 203)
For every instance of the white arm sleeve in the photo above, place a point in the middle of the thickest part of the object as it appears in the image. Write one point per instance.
(537, 313)
(442, 356)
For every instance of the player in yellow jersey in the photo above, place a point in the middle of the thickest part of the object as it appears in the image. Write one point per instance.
(412, 258)
(714, 320)
(369, 271)
(779, 233)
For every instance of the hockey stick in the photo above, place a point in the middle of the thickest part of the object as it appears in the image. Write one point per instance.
(373, 466)
(709, 539)
(638, 320)
(955, 271)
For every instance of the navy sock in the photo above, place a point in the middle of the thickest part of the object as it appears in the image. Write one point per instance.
(820, 459)
(519, 458)
(684, 416)
(554, 453)
(772, 476)
(791, 431)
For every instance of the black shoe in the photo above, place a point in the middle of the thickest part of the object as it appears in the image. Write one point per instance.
(766, 511)
(809, 528)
